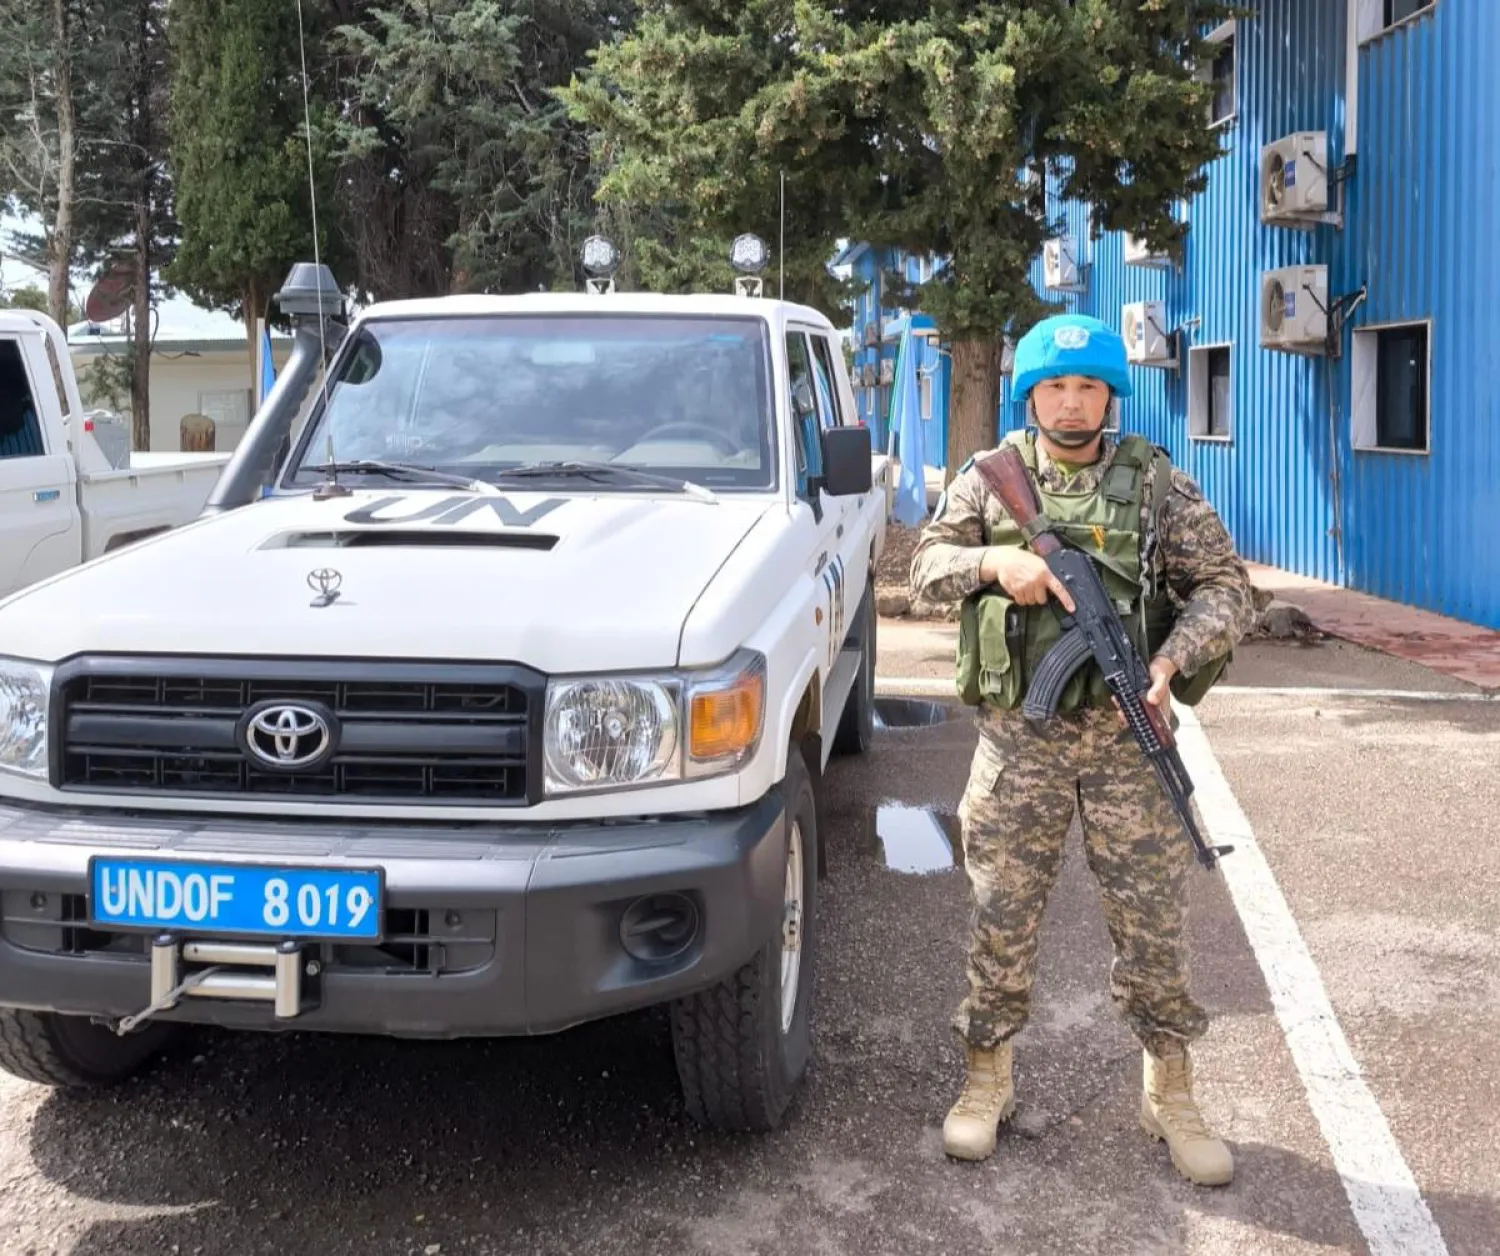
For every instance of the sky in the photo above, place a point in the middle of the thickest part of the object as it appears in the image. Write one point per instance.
(180, 317)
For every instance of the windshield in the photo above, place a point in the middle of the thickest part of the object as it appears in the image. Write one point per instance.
(685, 396)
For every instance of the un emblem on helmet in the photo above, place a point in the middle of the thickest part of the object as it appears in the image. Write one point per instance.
(1070, 337)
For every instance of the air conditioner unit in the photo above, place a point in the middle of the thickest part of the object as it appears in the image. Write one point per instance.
(1138, 254)
(1060, 263)
(887, 370)
(1294, 177)
(1144, 329)
(1294, 308)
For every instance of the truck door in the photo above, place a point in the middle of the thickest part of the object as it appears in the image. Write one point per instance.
(40, 532)
(854, 534)
(811, 410)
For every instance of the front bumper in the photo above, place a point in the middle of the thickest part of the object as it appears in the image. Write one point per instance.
(500, 929)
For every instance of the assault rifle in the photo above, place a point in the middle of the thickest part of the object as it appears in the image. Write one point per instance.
(1092, 631)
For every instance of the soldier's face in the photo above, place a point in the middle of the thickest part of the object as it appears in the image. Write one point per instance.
(1071, 403)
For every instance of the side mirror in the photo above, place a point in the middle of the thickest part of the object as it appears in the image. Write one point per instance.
(847, 469)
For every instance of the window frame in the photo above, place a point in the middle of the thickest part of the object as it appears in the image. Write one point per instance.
(823, 351)
(1364, 388)
(17, 345)
(1200, 392)
(1225, 32)
(807, 458)
(1371, 24)
(287, 468)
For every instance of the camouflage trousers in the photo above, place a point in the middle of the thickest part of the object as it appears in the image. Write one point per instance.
(1024, 785)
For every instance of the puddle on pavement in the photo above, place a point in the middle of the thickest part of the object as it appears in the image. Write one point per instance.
(917, 840)
(910, 713)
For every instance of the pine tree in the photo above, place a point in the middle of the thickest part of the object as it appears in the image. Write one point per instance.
(238, 152)
(466, 174)
(911, 125)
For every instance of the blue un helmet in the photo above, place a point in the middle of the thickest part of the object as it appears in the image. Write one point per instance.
(1070, 344)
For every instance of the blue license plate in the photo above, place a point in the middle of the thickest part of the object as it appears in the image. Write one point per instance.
(236, 900)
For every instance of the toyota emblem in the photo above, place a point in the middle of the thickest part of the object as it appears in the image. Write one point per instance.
(288, 735)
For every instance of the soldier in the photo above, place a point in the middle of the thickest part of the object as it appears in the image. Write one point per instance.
(1164, 552)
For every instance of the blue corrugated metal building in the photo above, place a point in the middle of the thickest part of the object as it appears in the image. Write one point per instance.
(1376, 465)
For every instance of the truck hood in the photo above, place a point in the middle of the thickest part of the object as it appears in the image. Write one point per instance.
(561, 581)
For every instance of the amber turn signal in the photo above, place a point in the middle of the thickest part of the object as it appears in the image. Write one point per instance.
(727, 721)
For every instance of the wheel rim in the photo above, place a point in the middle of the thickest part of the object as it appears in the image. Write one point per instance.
(791, 929)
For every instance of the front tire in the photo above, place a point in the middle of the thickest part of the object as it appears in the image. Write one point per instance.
(742, 1047)
(73, 1053)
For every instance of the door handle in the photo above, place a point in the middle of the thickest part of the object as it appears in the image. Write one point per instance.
(46, 495)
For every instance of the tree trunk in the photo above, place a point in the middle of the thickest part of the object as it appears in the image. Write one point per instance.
(60, 241)
(974, 401)
(253, 310)
(140, 374)
(140, 358)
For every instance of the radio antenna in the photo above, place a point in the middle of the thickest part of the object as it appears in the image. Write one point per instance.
(780, 243)
(332, 487)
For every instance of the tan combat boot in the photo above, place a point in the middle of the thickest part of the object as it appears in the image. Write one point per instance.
(1169, 1112)
(988, 1098)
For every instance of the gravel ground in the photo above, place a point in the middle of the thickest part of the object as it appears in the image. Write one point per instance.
(579, 1144)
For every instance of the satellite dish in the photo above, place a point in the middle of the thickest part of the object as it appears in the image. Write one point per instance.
(111, 294)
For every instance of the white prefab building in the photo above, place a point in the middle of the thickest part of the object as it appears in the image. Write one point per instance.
(203, 369)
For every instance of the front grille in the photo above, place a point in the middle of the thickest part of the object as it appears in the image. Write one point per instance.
(461, 736)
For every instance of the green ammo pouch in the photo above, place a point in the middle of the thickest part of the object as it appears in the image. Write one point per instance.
(989, 651)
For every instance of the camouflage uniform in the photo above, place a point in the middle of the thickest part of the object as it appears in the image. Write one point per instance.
(1025, 781)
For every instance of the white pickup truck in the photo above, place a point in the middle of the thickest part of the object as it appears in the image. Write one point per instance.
(500, 703)
(61, 502)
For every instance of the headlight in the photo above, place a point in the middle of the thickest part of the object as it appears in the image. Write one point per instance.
(602, 733)
(612, 732)
(24, 691)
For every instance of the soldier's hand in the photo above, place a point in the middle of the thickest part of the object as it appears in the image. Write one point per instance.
(1162, 670)
(1024, 576)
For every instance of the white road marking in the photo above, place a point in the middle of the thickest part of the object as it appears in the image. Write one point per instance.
(1383, 1195)
(915, 686)
(942, 687)
(1382, 1192)
(1384, 695)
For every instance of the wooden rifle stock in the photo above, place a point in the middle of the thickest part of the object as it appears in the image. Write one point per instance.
(1006, 476)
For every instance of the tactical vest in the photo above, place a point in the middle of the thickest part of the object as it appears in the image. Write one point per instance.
(1000, 642)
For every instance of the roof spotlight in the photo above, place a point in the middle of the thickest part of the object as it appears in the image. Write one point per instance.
(600, 261)
(749, 256)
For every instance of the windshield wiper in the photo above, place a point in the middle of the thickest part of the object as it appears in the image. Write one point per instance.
(414, 472)
(603, 473)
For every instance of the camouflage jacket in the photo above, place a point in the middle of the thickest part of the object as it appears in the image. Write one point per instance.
(1193, 550)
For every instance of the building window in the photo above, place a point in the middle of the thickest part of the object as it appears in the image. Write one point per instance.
(1375, 17)
(1391, 368)
(1220, 73)
(1210, 393)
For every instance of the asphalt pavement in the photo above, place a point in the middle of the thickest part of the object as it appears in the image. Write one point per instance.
(1374, 813)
